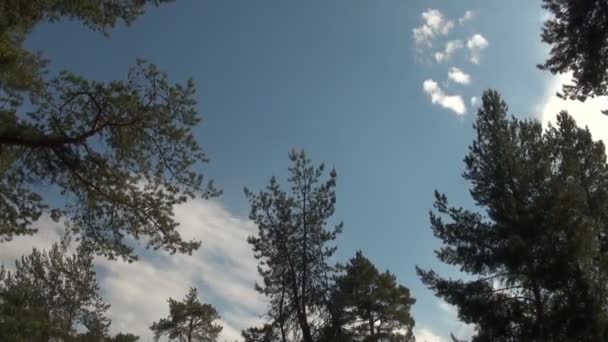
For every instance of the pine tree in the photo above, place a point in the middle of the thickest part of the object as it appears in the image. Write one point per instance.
(122, 152)
(535, 248)
(52, 295)
(124, 338)
(293, 246)
(374, 307)
(266, 333)
(189, 321)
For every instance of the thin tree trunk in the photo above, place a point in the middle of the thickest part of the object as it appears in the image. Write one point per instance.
(540, 313)
(282, 314)
(190, 330)
(370, 320)
(307, 335)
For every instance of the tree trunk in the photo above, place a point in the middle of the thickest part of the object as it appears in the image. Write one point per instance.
(190, 330)
(540, 314)
(306, 333)
(372, 332)
(300, 307)
(282, 314)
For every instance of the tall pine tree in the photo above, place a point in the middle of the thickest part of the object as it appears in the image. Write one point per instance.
(293, 246)
(535, 247)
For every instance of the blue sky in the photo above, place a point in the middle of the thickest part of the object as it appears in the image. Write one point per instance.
(347, 81)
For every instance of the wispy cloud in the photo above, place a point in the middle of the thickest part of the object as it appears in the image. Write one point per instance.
(450, 47)
(438, 96)
(476, 44)
(460, 330)
(223, 270)
(49, 233)
(458, 76)
(427, 335)
(467, 16)
(434, 24)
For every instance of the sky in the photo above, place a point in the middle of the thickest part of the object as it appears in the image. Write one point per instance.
(384, 91)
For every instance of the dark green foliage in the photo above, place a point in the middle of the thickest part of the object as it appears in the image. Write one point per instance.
(578, 34)
(122, 152)
(293, 246)
(20, 318)
(52, 296)
(536, 248)
(372, 305)
(189, 320)
(124, 338)
(267, 333)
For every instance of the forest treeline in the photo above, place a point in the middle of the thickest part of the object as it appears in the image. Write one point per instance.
(120, 155)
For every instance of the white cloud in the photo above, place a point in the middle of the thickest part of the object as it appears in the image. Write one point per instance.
(49, 233)
(459, 76)
(450, 322)
(440, 56)
(452, 102)
(434, 24)
(460, 330)
(448, 51)
(447, 308)
(586, 113)
(467, 16)
(223, 270)
(426, 335)
(476, 44)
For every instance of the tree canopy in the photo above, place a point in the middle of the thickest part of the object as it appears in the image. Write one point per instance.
(373, 306)
(293, 245)
(535, 248)
(578, 34)
(189, 320)
(310, 299)
(121, 153)
(54, 295)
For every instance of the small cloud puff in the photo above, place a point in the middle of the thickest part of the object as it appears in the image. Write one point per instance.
(434, 24)
(467, 16)
(438, 96)
(476, 44)
(458, 76)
